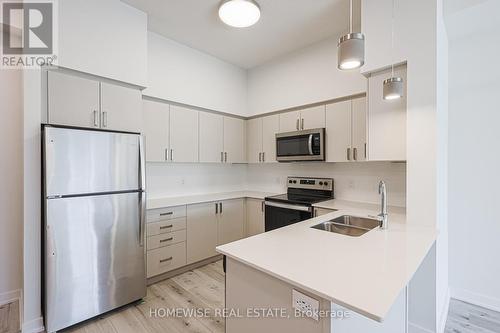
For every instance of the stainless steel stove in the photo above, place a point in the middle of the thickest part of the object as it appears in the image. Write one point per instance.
(297, 204)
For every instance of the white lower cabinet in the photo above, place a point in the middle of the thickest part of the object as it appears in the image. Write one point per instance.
(201, 231)
(231, 221)
(165, 259)
(254, 217)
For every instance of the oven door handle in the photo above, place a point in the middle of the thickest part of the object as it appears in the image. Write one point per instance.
(288, 206)
(310, 144)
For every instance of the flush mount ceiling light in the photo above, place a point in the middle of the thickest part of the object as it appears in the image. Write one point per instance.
(393, 86)
(351, 47)
(239, 13)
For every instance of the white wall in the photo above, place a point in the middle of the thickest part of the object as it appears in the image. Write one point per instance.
(303, 77)
(181, 74)
(353, 181)
(172, 179)
(474, 157)
(103, 37)
(11, 178)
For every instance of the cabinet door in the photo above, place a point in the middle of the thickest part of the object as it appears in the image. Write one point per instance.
(338, 131)
(359, 129)
(270, 126)
(156, 130)
(312, 118)
(254, 217)
(183, 134)
(289, 121)
(234, 140)
(386, 120)
(121, 108)
(72, 100)
(211, 138)
(254, 140)
(231, 221)
(201, 231)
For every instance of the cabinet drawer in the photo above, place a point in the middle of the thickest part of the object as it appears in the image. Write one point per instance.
(167, 239)
(163, 227)
(166, 259)
(160, 214)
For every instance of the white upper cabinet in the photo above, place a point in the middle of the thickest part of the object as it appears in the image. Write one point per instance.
(346, 131)
(73, 101)
(359, 144)
(270, 126)
(156, 131)
(231, 221)
(386, 120)
(211, 138)
(120, 108)
(183, 134)
(234, 140)
(312, 117)
(289, 121)
(254, 140)
(338, 131)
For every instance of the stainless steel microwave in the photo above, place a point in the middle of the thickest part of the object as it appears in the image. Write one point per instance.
(308, 145)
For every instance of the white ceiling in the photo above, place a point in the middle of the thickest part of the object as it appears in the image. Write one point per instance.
(285, 26)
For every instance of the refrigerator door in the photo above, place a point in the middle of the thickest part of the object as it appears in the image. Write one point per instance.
(94, 261)
(87, 162)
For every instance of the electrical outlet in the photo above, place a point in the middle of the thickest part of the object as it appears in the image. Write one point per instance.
(305, 304)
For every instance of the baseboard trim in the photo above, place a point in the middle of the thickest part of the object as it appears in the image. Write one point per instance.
(183, 269)
(444, 312)
(414, 328)
(476, 299)
(34, 326)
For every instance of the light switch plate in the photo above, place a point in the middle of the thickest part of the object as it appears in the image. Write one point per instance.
(305, 304)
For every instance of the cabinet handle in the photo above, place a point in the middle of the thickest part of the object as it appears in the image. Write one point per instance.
(166, 154)
(355, 153)
(262, 206)
(221, 157)
(348, 154)
(166, 239)
(165, 260)
(172, 155)
(302, 123)
(167, 213)
(263, 156)
(220, 207)
(104, 119)
(96, 118)
(260, 157)
(216, 208)
(225, 156)
(366, 156)
(297, 124)
(166, 227)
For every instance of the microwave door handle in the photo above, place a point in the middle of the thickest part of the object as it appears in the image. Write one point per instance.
(310, 144)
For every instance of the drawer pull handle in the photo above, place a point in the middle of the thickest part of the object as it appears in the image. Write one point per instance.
(166, 227)
(167, 213)
(166, 240)
(165, 260)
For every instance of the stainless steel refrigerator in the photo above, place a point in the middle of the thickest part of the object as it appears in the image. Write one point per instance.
(94, 220)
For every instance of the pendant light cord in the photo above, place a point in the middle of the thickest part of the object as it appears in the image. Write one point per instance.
(392, 38)
(350, 16)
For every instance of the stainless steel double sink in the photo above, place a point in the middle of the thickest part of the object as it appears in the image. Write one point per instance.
(349, 225)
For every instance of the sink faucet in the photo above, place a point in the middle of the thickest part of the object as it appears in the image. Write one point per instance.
(382, 190)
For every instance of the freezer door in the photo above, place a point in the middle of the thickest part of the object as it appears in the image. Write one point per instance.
(85, 161)
(94, 261)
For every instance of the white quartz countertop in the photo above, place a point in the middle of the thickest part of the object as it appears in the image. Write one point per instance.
(199, 198)
(364, 274)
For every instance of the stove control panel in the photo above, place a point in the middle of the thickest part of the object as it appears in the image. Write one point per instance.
(325, 184)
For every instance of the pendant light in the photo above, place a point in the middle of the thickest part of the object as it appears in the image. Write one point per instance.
(351, 47)
(239, 13)
(393, 86)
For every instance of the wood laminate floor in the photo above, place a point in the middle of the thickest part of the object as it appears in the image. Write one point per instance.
(468, 318)
(199, 290)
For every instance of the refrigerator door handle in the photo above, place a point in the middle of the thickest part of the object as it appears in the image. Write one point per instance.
(142, 165)
(142, 217)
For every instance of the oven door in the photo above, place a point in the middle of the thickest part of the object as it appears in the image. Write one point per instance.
(301, 146)
(279, 215)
